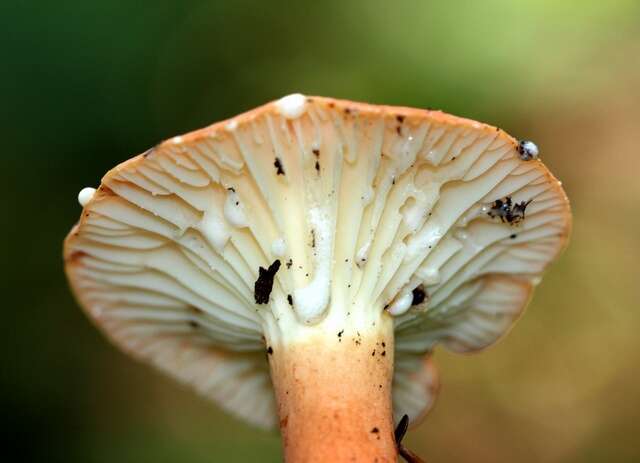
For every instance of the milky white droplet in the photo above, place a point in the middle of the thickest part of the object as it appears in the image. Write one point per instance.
(401, 304)
(362, 254)
(278, 247)
(85, 195)
(292, 106)
(233, 210)
(214, 229)
(311, 300)
(232, 125)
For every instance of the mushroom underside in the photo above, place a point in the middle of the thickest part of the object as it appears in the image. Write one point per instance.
(436, 220)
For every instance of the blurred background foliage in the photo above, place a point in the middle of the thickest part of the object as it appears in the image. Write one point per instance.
(86, 85)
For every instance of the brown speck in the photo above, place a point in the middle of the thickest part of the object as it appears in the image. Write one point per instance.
(317, 166)
(375, 430)
(290, 299)
(289, 263)
(347, 110)
(106, 191)
(231, 189)
(193, 324)
(269, 350)
(513, 236)
(384, 352)
(400, 118)
(399, 130)
(316, 152)
(278, 165)
(76, 255)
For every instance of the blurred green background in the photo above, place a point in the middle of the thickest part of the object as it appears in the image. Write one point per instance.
(86, 85)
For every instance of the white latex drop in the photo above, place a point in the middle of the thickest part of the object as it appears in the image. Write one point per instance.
(85, 195)
(311, 300)
(292, 106)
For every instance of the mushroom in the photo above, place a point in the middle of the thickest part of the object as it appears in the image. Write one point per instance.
(344, 240)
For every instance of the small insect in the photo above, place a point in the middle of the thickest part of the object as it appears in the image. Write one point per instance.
(528, 150)
(508, 211)
(418, 295)
(264, 284)
(278, 165)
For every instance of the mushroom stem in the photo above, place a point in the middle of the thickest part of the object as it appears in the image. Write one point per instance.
(334, 395)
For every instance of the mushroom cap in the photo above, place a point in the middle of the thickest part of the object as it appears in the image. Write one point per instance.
(439, 220)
